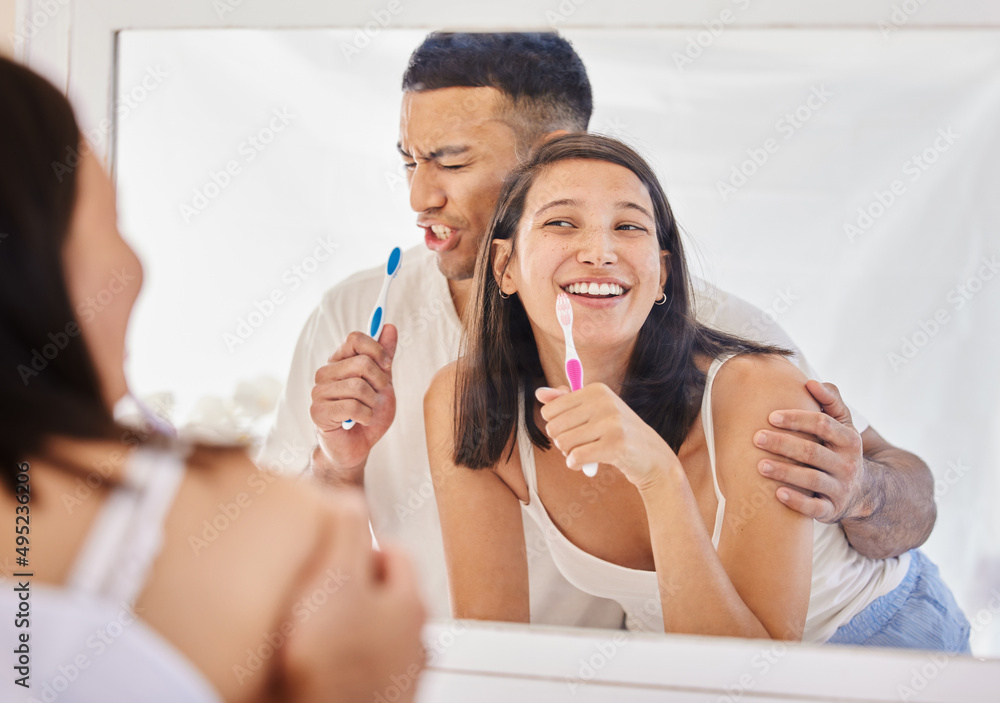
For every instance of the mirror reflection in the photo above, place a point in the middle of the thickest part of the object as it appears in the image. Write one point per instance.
(833, 180)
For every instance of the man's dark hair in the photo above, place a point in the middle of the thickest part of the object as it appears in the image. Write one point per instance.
(539, 73)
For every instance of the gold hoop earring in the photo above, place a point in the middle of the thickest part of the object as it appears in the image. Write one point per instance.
(661, 301)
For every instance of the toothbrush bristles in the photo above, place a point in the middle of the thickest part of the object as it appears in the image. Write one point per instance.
(564, 309)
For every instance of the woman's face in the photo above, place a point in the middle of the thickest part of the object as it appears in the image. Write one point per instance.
(103, 276)
(587, 230)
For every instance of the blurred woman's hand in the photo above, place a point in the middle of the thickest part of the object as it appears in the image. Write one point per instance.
(357, 618)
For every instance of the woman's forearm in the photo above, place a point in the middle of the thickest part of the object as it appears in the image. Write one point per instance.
(696, 593)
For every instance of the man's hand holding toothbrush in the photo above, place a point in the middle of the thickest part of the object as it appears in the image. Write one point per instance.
(355, 384)
(355, 388)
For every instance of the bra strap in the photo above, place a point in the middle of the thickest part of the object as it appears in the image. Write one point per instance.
(127, 535)
(706, 421)
(525, 448)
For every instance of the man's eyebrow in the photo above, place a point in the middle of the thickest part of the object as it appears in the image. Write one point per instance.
(455, 150)
(451, 150)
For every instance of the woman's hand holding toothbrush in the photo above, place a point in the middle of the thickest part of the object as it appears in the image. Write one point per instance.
(593, 424)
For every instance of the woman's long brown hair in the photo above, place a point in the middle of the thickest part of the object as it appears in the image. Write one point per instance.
(48, 383)
(662, 384)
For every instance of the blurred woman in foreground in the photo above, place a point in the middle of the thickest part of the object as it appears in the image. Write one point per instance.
(158, 572)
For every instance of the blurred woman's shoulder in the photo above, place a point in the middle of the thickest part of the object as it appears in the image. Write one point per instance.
(240, 545)
(290, 507)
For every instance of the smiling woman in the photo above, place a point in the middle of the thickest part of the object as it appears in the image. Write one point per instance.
(554, 201)
(587, 211)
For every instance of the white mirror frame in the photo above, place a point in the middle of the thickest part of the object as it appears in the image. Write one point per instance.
(498, 663)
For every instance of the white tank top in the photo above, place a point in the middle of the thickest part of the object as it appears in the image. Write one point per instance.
(843, 581)
(86, 642)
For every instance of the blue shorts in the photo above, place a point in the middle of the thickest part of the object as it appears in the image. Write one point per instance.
(920, 613)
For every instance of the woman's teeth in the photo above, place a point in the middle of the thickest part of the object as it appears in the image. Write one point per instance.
(441, 231)
(604, 289)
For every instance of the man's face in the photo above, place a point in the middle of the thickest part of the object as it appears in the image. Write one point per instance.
(456, 153)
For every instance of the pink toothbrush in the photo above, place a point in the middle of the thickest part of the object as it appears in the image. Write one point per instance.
(574, 371)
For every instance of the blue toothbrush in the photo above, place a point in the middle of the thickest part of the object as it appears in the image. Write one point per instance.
(377, 321)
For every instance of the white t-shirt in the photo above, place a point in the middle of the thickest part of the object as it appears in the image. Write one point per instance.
(398, 484)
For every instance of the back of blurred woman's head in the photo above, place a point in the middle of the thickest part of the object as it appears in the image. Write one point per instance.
(48, 382)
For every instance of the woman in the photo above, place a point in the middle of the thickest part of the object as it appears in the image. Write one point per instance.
(677, 525)
(156, 572)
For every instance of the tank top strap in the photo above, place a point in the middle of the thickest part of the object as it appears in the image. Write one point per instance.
(127, 534)
(525, 450)
(706, 422)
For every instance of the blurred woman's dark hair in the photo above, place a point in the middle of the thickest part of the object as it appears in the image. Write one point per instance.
(500, 358)
(48, 383)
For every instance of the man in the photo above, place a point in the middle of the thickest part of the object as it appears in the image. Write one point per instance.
(473, 103)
